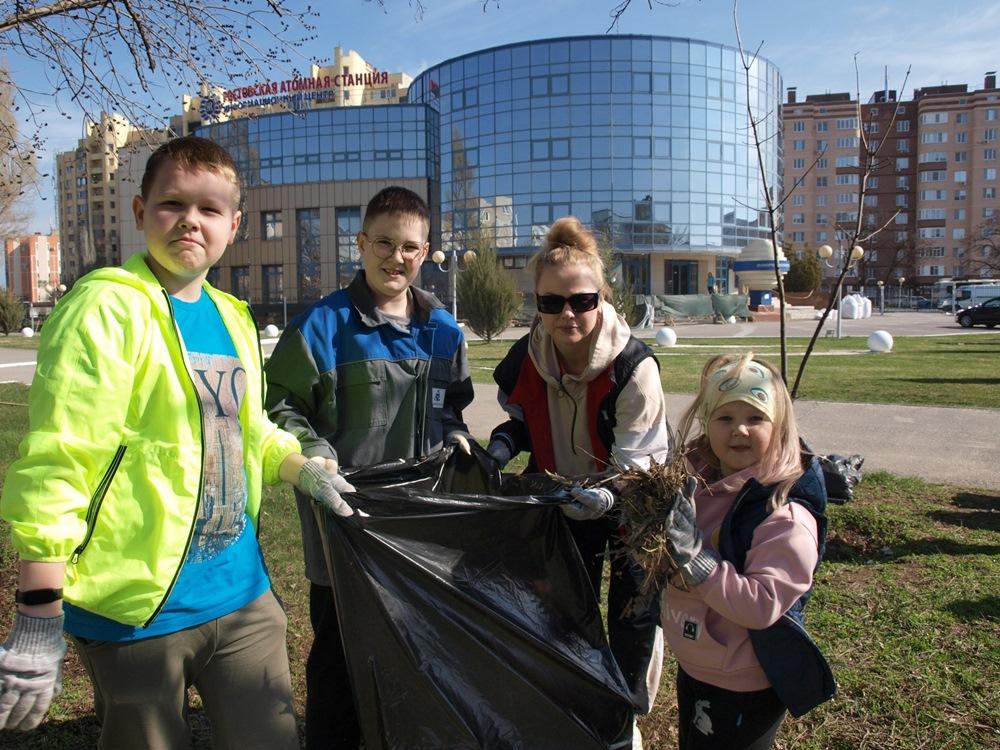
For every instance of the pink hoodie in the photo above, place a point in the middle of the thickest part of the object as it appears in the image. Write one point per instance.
(706, 627)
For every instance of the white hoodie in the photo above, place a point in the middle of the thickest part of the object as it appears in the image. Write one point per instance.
(641, 419)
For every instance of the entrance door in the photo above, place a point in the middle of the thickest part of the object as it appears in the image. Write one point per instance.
(681, 276)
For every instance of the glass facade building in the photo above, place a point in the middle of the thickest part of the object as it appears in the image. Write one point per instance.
(643, 138)
(335, 144)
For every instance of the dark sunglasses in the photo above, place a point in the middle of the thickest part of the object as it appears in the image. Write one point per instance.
(553, 304)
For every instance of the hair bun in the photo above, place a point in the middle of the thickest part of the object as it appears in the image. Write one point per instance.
(569, 232)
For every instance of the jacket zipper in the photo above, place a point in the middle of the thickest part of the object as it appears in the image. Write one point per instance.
(260, 358)
(201, 472)
(97, 499)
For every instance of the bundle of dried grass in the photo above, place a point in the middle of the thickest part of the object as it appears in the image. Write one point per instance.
(645, 499)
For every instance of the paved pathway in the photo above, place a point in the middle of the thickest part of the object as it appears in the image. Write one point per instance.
(953, 445)
(939, 444)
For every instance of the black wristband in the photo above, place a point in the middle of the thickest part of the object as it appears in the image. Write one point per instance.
(38, 596)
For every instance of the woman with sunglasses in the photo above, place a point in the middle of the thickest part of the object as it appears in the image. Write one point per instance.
(584, 394)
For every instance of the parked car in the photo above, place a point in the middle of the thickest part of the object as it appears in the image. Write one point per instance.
(987, 314)
(921, 303)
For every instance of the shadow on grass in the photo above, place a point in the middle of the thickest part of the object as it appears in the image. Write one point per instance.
(976, 501)
(83, 733)
(72, 734)
(970, 610)
(984, 520)
(956, 380)
(847, 550)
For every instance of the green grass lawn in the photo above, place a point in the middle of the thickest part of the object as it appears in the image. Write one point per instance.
(906, 607)
(17, 341)
(921, 370)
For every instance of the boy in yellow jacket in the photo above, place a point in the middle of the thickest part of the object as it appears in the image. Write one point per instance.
(136, 496)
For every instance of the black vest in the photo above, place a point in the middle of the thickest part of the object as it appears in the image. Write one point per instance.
(792, 661)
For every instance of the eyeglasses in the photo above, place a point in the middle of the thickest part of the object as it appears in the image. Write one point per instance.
(385, 247)
(553, 304)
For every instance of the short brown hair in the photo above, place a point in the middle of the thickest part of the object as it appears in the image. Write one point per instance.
(396, 200)
(191, 152)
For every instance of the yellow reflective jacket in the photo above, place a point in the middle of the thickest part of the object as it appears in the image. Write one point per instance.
(110, 474)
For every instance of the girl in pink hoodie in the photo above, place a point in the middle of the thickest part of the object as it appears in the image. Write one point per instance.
(747, 536)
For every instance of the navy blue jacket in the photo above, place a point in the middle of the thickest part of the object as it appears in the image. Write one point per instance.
(791, 660)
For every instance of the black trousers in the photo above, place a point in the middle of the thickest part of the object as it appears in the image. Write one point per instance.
(331, 718)
(632, 636)
(712, 718)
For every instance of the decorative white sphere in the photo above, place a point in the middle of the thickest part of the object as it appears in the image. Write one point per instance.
(271, 330)
(880, 341)
(666, 337)
(27, 332)
(437, 256)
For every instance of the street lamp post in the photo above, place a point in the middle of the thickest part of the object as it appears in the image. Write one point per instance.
(901, 280)
(55, 291)
(825, 252)
(881, 297)
(438, 258)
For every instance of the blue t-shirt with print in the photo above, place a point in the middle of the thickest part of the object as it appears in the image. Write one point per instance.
(224, 569)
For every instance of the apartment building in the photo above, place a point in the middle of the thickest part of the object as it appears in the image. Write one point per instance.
(932, 179)
(97, 181)
(88, 205)
(32, 268)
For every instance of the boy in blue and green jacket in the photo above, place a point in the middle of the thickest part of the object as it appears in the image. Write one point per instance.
(373, 372)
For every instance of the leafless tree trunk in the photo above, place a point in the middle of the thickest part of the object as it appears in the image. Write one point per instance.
(856, 234)
(18, 165)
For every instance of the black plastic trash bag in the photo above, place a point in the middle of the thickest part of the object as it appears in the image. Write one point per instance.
(469, 620)
(840, 473)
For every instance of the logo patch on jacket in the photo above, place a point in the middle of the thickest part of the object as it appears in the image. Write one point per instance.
(437, 398)
(691, 630)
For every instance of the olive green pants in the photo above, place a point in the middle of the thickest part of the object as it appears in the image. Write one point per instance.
(238, 663)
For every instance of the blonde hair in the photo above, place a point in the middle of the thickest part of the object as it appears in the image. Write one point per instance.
(782, 461)
(568, 242)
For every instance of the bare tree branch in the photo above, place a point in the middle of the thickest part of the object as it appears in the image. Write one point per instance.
(772, 209)
(855, 233)
(180, 45)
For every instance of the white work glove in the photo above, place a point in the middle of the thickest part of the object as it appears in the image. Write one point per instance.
(30, 670)
(588, 504)
(324, 487)
(459, 440)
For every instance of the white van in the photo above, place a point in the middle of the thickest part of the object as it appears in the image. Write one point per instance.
(973, 294)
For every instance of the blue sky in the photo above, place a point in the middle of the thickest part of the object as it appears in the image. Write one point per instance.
(813, 43)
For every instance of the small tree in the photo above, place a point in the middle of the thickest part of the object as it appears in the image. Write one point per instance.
(803, 271)
(622, 295)
(487, 294)
(11, 312)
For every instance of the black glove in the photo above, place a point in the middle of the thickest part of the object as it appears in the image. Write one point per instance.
(500, 451)
(684, 539)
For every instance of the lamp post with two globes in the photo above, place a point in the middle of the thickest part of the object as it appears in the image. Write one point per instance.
(55, 291)
(438, 257)
(881, 297)
(825, 252)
